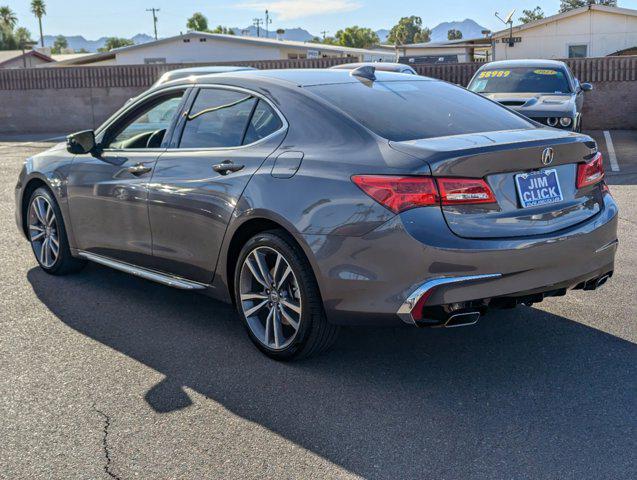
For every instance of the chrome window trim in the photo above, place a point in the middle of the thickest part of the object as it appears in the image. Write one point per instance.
(285, 125)
(133, 150)
(122, 112)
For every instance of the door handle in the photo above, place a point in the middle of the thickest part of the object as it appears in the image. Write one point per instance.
(139, 169)
(225, 167)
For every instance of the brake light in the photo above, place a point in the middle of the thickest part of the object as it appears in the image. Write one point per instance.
(402, 193)
(399, 193)
(590, 173)
(454, 191)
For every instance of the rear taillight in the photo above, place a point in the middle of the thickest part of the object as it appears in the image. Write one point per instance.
(455, 191)
(399, 193)
(590, 173)
(402, 193)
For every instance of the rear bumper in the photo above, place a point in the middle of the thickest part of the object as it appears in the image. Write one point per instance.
(369, 279)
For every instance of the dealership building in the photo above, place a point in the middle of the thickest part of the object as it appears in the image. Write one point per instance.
(591, 31)
(199, 47)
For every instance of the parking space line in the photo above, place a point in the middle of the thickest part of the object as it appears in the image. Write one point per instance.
(26, 144)
(614, 166)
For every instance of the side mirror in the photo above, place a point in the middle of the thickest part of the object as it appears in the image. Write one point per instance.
(586, 87)
(80, 143)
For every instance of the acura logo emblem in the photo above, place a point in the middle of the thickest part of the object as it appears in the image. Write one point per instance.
(547, 156)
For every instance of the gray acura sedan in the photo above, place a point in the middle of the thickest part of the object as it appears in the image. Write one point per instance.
(544, 90)
(318, 198)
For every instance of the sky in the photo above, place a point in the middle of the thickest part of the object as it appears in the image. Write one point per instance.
(125, 18)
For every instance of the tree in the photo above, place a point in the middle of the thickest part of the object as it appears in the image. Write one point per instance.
(22, 37)
(356, 37)
(454, 34)
(115, 42)
(59, 44)
(38, 8)
(14, 40)
(224, 30)
(8, 18)
(325, 41)
(531, 15)
(567, 5)
(10, 39)
(198, 22)
(409, 30)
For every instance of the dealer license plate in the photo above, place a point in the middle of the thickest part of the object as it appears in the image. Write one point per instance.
(538, 188)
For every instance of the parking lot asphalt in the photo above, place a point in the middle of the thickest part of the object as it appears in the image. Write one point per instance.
(103, 375)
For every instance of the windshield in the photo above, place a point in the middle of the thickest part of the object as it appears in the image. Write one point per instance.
(521, 80)
(415, 109)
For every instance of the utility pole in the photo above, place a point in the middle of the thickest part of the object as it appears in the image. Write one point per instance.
(257, 23)
(23, 46)
(268, 21)
(324, 33)
(154, 11)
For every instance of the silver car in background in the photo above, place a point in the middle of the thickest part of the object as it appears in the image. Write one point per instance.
(543, 90)
(380, 66)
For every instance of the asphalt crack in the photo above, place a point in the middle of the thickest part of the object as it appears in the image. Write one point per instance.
(107, 453)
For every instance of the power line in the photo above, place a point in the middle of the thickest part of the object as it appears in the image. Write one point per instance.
(324, 32)
(268, 21)
(154, 10)
(257, 23)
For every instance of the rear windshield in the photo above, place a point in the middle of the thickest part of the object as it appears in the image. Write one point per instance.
(408, 110)
(521, 79)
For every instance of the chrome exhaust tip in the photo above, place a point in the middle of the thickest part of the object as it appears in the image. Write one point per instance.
(463, 319)
(601, 280)
(595, 283)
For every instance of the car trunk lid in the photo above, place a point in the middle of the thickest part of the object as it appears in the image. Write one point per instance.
(511, 164)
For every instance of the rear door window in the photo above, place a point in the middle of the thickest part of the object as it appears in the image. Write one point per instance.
(218, 118)
(415, 109)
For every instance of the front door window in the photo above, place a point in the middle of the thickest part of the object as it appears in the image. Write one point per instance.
(146, 128)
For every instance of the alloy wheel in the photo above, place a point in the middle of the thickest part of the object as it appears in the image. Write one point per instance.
(43, 231)
(270, 297)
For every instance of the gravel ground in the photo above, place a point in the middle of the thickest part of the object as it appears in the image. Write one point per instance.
(103, 375)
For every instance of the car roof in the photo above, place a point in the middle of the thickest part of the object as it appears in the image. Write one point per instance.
(383, 66)
(524, 63)
(306, 77)
(210, 69)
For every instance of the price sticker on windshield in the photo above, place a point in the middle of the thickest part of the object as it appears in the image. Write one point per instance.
(494, 74)
(545, 72)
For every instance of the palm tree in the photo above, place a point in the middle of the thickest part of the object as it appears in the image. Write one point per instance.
(7, 17)
(38, 8)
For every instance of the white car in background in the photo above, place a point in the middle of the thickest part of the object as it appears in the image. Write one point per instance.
(380, 66)
(197, 71)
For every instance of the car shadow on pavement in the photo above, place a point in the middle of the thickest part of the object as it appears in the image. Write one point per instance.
(524, 392)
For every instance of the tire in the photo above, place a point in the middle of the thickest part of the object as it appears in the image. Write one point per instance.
(294, 288)
(47, 235)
